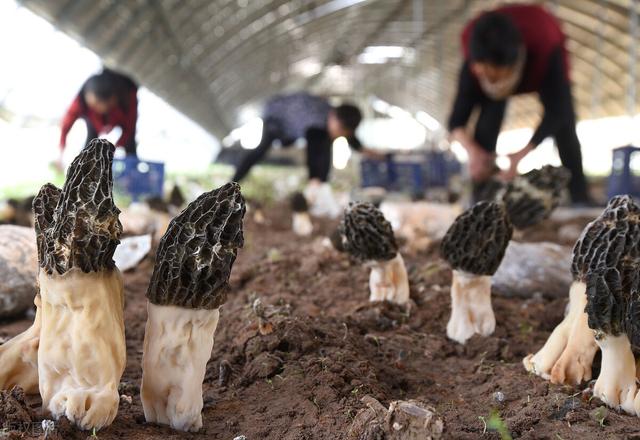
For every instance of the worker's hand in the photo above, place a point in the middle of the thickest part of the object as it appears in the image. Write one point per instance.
(481, 164)
(514, 160)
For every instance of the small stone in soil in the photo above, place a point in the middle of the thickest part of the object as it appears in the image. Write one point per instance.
(224, 373)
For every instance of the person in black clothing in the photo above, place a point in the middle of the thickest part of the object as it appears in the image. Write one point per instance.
(300, 115)
(512, 50)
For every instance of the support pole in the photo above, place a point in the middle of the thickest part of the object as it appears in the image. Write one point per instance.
(596, 84)
(633, 59)
(418, 29)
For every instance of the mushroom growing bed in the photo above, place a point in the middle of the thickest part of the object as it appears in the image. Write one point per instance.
(330, 347)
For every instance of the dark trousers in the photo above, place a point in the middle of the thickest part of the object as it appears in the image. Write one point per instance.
(130, 147)
(486, 135)
(318, 153)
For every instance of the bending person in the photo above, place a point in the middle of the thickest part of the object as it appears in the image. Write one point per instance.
(300, 115)
(513, 50)
(106, 100)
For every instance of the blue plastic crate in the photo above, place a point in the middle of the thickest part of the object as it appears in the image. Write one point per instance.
(407, 174)
(137, 178)
(624, 177)
(415, 172)
(375, 173)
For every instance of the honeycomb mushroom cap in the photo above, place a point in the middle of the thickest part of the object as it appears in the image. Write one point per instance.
(610, 236)
(299, 203)
(492, 189)
(613, 295)
(607, 259)
(84, 230)
(176, 198)
(477, 239)
(44, 205)
(531, 197)
(366, 233)
(196, 254)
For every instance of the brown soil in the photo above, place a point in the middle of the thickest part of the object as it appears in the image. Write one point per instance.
(330, 347)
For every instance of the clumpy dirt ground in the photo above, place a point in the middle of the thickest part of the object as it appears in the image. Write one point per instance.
(330, 347)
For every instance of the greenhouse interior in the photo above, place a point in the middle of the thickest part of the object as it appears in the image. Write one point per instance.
(320, 219)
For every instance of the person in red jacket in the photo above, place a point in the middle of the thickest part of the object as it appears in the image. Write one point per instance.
(106, 100)
(512, 50)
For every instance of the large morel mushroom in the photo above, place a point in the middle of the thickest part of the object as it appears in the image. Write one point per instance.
(613, 307)
(188, 285)
(531, 197)
(568, 354)
(366, 235)
(81, 355)
(474, 247)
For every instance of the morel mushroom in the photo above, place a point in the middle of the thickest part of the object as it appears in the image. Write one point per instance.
(19, 355)
(568, 354)
(474, 246)
(301, 219)
(531, 197)
(613, 292)
(176, 198)
(368, 236)
(81, 356)
(188, 285)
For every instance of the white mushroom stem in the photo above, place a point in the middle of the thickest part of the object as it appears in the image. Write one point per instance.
(258, 216)
(567, 356)
(7, 212)
(302, 224)
(177, 347)
(82, 354)
(616, 384)
(388, 281)
(471, 310)
(19, 358)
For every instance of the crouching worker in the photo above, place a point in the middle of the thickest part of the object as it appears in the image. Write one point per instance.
(287, 118)
(513, 50)
(106, 100)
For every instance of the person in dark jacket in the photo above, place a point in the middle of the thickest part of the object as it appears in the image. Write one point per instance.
(288, 118)
(106, 100)
(513, 50)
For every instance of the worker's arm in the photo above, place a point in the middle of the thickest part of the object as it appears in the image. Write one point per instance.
(481, 162)
(129, 128)
(467, 97)
(355, 145)
(555, 94)
(73, 113)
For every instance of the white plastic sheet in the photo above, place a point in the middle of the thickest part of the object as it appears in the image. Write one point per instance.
(131, 251)
(530, 268)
